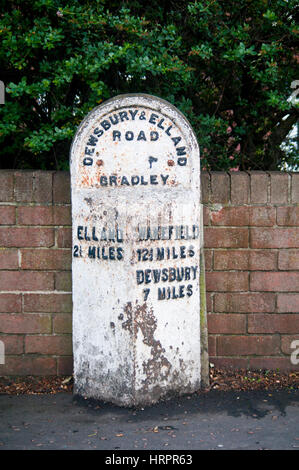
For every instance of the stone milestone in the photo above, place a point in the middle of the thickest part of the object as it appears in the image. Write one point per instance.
(137, 244)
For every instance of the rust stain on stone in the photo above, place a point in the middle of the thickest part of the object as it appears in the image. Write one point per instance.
(157, 367)
(128, 324)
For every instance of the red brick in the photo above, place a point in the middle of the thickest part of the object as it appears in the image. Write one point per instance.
(242, 260)
(24, 186)
(288, 303)
(10, 303)
(263, 216)
(64, 237)
(44, 215)
(274, 237)
(33, 186)
(9, 259)
(279, 187)
(220, 187)
(271, 363)
(262, 260)
(212, 345)
(205, 186)
(247, 345)
(26, 280)
(259, 187)
(26, 237)
(230, 216)
(48, 303)
(288, 260)
(65, 365)
(62, 215)
(24, 323)
(13, 344)
(35, 215)
(6, 186)
(239, 188)
(206, 215)
(273, 323)
(272, 281)
(208, 259)
(21, 366)
(229, 363)
(295, 187)
(290, 344)
(61, 188)
(226, 281)
(58, 345)
(219, 237)
(44, 259)
(209, 301)
(63, 281)
(42, 186)
(244, 303)
(62, 323)
(7, 215)
(231, 259)
(288, 216)
(226, 323)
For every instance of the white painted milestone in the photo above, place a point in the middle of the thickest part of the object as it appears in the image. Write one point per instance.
(137, 239)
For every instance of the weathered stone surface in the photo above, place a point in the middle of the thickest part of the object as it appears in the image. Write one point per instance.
(137, 237)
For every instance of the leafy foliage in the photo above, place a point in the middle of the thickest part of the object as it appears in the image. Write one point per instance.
(228, 66)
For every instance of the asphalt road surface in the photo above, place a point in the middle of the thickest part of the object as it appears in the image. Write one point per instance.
(212, 421)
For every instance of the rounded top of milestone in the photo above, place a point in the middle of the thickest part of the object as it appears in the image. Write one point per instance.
(134, 142)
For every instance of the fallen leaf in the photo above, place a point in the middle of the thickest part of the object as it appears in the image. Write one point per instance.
(67, 380)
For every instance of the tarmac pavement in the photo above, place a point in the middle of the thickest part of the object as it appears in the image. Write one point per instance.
(259, 420)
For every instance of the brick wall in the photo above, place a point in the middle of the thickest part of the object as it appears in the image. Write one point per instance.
(252, 270)
(35, 276)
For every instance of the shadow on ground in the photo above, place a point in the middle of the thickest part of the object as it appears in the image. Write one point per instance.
(212, 420)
